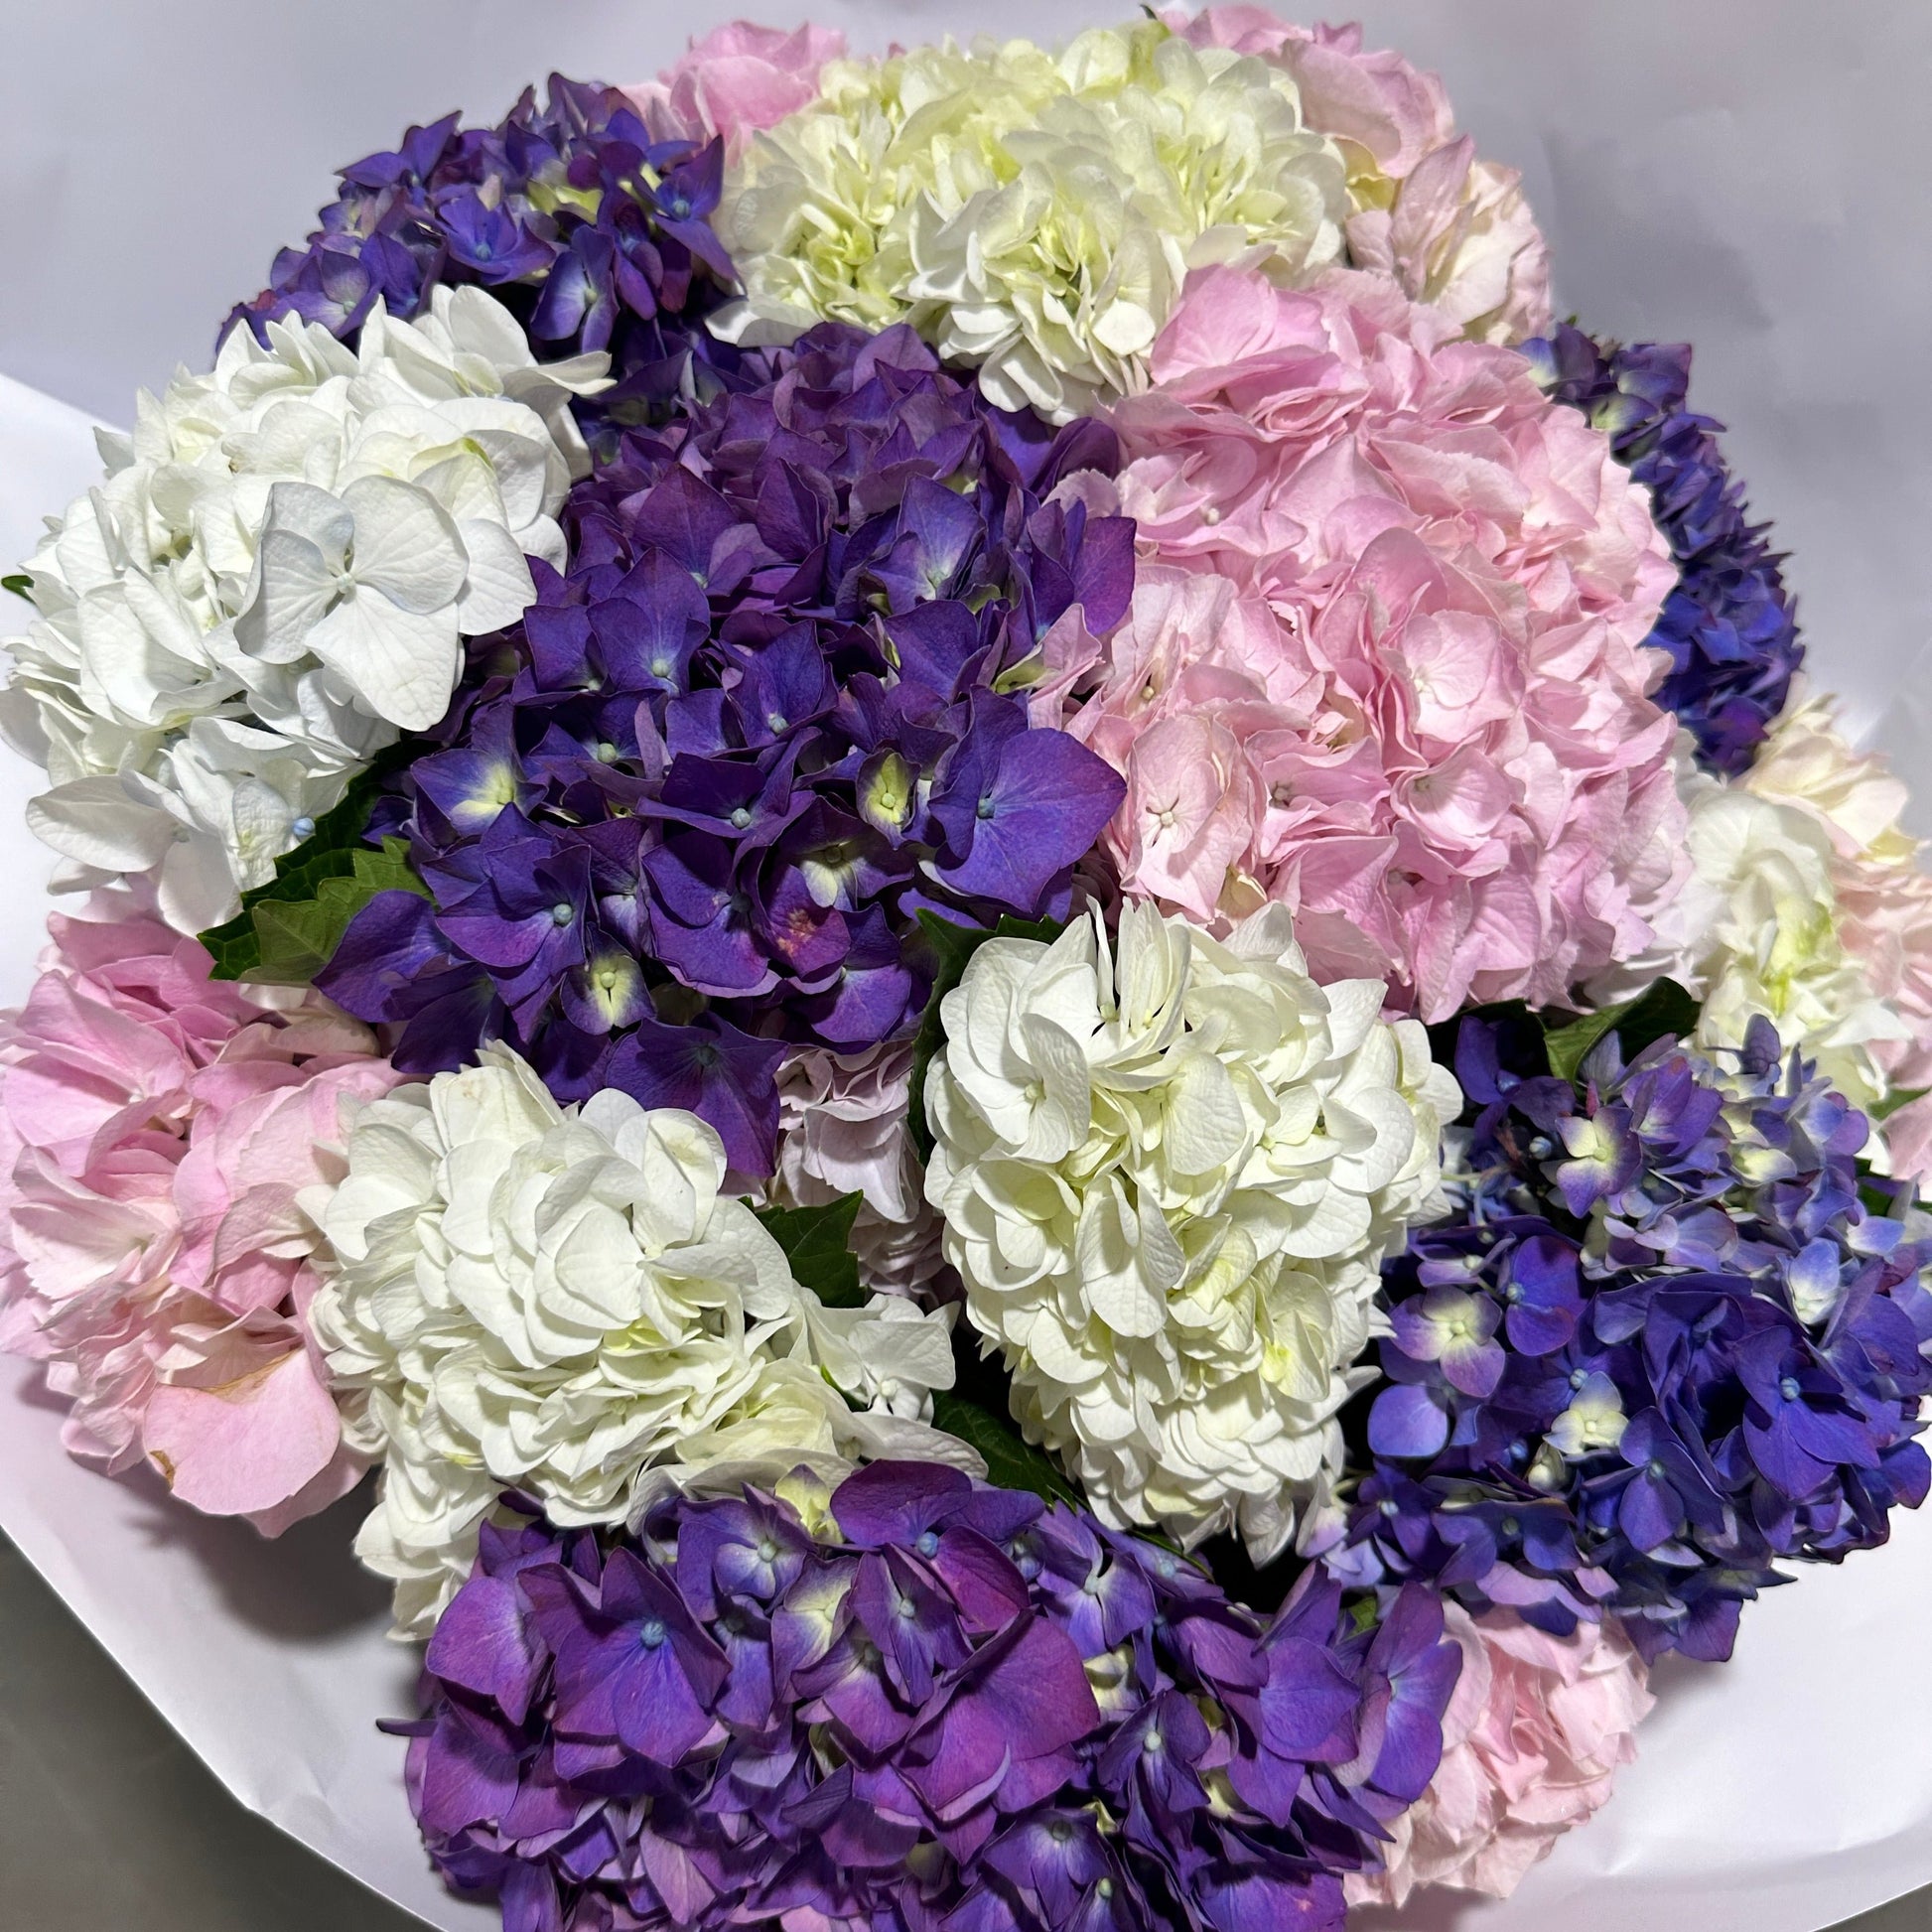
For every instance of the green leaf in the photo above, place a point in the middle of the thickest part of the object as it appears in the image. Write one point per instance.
(818, 1244)
(21, 585)
(1878, 1197)
(1012, 1462)
(288, 929)
(1885, 1108)
(1664, 1008)
(954, 946)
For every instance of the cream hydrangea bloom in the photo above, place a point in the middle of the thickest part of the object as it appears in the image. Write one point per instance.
(1167, 1177)
(1802, 904)
(273, 579)
(1774, 945)
(560, 1301)
(1032, 213)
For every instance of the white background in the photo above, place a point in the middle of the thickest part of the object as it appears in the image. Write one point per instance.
(1752, 177)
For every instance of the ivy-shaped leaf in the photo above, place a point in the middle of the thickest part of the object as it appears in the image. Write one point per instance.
(21, 585)
(1663, 1007)
(1012, 1462)
(954, 946)
(296, 938)
(818, 1245)
(288, 929)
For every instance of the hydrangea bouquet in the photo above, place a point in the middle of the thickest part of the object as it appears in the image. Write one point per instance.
(1017, 954)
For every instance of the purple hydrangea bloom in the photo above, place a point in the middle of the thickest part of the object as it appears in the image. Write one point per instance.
(943, 1705)
(1661, 1344)
(691, 809)
(1729, 626)
(593, 235)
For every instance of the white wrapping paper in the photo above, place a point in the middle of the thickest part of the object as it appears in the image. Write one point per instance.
(1743, 173)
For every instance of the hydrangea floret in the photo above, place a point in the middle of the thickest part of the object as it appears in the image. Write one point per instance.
(1169, 1168)
(273, 580)
(1729, 626)
(693, 808)
(564, 1301)
(914, 1701)
(1661, 1345)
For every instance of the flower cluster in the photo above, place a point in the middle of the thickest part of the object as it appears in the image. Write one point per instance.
(1450, 230)
(1881, 901)
(520, 1297)
(1807, 904)
(777, 709)
(273, 580)
(1661, 1345)
(1385, 664)
(1169, 1168)
(1532, 1739)
(1034, 214)
(155, 1126)
(912, 1702)
(1031, 213)
(593, 235)
(873, 817)
(1727, 626)
(1754, 934)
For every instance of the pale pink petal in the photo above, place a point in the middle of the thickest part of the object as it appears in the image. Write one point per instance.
(249, 1445)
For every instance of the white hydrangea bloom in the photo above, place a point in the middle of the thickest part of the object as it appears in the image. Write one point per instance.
(1030, 214)
(560, 1301)
(272, 580)
(1758, 928)
(1167, 1180)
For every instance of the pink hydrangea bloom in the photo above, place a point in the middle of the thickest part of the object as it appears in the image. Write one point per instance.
(842, 1130)
(1385, 662)
(1451, 229)
(737, 80)
(1531, 1743)
(155, 1127)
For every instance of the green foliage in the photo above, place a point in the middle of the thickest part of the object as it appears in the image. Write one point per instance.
(288, 930)
(21, 584)
(1012, 1462)
(953, 945)
(818, 1244)
(1663, 1007)
(1903, 1097)
(978, 1408)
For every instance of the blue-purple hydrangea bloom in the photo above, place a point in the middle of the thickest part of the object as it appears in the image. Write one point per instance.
(939, 1704)
(1727, 626)
(593, 235)
(1660, 1344)
(690, 809)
